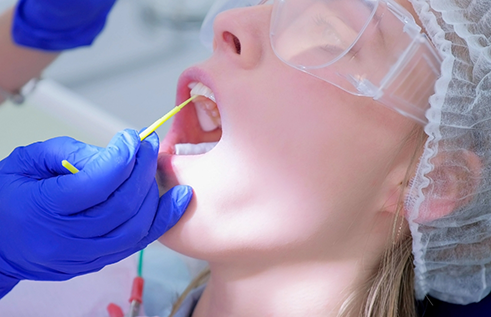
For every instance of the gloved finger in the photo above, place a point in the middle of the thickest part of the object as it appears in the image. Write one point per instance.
(170, 209)
(125, 202)
(124, 237)
(74, 13)
(43, 159)
(100, 177)
(172, 206)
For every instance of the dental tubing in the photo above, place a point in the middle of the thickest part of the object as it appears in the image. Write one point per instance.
(138, 282)
(137, 288)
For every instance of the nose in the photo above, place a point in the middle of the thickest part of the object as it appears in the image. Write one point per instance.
(243, 34)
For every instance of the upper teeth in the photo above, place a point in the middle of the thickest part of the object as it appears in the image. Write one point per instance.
(200, 89)
(206, 107)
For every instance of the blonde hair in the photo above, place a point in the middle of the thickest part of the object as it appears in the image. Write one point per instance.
(389, 292)
(199, 280)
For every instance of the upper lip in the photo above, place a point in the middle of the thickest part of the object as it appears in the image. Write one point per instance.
(193, 74)
(185, 128)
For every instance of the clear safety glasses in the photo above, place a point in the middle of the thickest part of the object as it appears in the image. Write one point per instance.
(371, 48)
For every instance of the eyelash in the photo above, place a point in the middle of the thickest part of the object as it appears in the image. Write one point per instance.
(322, 20)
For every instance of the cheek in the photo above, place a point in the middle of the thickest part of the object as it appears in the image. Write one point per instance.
(307, 141)
(290, 167)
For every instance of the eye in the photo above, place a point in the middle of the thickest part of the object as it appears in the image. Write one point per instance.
(327, 35)
(335, 36)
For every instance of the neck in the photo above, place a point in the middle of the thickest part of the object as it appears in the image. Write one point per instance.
(300, 289)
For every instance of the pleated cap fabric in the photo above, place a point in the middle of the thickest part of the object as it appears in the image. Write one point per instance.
(449, 203)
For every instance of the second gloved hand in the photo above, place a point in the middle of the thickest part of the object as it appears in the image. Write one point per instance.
(56, 25)
(55, 225)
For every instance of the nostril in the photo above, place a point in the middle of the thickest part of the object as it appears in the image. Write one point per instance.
(232, 40)
(237, 45)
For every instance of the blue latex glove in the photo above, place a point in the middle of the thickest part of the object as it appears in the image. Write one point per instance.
(55, 225)
(56, 25)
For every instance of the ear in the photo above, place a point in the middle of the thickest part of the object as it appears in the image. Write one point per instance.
(396, 187)
(454, 181)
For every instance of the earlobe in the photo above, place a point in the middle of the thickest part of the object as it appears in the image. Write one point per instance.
(453, 183)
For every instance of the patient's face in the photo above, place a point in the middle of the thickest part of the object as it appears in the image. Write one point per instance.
(302, 168)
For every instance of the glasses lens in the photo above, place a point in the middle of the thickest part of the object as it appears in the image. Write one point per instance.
(312, 33)
(369, 48)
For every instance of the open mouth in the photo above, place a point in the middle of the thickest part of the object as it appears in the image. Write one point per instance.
(195, 130)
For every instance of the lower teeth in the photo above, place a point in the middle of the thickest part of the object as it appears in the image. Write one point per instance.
(193, 149)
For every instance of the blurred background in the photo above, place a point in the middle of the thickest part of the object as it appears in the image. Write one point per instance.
(126, 79)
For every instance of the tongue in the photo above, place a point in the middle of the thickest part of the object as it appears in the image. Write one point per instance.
(193, 149)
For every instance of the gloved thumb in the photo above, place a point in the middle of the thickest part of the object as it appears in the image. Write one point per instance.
(171, 208)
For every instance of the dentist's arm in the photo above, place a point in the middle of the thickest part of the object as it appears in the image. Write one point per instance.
(35, 31)
(55, 225)
(18, 64)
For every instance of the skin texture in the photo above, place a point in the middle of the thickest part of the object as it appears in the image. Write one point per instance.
(18, 64)
(295, 206)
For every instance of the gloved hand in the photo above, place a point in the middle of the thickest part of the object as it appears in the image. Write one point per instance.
(55, 225)
(56, 25)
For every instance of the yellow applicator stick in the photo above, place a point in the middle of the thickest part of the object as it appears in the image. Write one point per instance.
(166, 117)
(144, 133)
(69, 167)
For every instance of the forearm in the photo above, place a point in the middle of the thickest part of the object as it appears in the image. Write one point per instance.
(18, 64)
